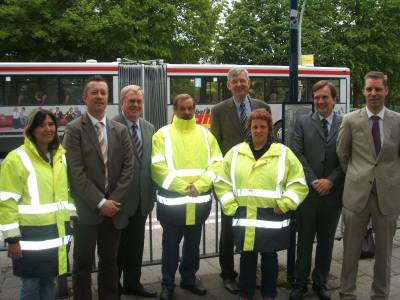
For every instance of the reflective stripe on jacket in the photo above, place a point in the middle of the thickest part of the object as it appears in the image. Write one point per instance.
(249, 189)
(184, 153)
(35, 205)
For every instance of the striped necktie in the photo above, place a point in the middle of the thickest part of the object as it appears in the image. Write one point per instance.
(325, 127)
(243, 120)
(103, 149)
(136, 141)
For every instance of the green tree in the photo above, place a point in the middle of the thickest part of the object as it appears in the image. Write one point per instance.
(360, 34)
(75, 30)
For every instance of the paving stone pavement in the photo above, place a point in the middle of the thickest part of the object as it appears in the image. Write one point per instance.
(208, 273)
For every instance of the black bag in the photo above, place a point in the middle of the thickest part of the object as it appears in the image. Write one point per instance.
(368, 245)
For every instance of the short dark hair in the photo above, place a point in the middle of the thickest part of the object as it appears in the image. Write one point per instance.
(323, 83)
(377, 75)
(182, 97)
(35, 119)
(97, 78)
(261, 114)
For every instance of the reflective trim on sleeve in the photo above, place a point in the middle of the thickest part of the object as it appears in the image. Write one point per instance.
(47, 244)
(43, 208)
(183, 200)
(8, 195)
(214, 159)
(258, 193)
(233, 167)
(157, 158)
(168, 148)
(299, 180)
(293, 196)
(281, 168)
(64, 159)
(261, 223)
(220, 178)
(11, 226)
(168, 180)
(211, 175)
(205, 133)
(227, 197)
(32, 179)
(70, 207)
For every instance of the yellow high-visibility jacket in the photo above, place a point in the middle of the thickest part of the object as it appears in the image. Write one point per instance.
(184, 153)
(249, 189)
(35, 206)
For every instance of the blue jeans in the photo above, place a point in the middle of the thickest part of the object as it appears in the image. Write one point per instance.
(38, 288)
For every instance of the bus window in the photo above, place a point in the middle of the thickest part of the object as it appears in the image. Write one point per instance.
(306, 87)
(257, 88)
(204, 90)
(276, 90)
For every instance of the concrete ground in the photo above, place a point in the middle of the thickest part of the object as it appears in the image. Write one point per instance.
(209, 270)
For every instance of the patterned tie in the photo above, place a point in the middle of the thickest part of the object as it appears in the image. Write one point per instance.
(103, 149)
(376, 136)
(325, 127)
(137, 142)
(243, 120)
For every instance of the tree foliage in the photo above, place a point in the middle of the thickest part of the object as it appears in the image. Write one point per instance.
(360, 34)
(75, 30)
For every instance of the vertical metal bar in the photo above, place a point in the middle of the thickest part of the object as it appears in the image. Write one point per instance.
(151, 237)
(293, 50)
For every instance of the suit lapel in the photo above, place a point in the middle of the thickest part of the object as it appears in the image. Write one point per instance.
(111, 139)
(317, 125)
(91, 132)
(367, 131)
(387, 127)
(233, 112)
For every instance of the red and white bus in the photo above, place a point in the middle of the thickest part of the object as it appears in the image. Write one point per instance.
(58, 87)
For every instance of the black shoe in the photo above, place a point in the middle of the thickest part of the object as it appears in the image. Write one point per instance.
(140, 291)
(196, 288)
(322, 292)
(298, 292)
(166, 294)
(231, 286)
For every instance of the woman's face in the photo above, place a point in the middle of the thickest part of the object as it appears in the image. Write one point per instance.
(259, 131)
(44, 134)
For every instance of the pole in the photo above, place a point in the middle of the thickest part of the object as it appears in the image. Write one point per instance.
(293, 50)
(303, 7)
(293, 96)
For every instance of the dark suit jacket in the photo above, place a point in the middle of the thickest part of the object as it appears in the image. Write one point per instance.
(86, 168)
(225, 123)
(355, 149)
(318, 157)
(142, 189)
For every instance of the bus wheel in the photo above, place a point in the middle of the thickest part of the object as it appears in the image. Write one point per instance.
(278, 132)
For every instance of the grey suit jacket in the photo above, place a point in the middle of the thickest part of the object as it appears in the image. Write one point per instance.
(356, 152)
(142, 189)
(86, 168)
(225, 123)
(318, 156)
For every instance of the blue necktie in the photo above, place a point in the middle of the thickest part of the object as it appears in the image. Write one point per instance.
(136, 141)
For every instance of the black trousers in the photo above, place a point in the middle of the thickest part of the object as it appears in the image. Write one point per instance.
(315, 217)
(226, 245)
(85, 238)
(248, 269)
(172, 236)
(130, 252)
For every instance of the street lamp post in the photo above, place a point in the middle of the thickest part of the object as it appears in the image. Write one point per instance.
(293, 49)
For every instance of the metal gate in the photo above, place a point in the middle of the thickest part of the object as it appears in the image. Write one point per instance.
(153, 80)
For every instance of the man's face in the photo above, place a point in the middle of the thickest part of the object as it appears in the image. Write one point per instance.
(323, 101)
(132, 105)
(239, 86)
(375, 93)
(96, 98)
(185, 109)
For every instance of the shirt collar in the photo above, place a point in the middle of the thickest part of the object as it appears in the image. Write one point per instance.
(129, 122)
(95, 121)
(329, 119)
(245, 101)
(380, 114)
